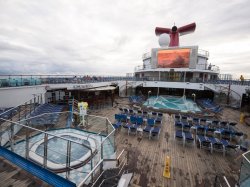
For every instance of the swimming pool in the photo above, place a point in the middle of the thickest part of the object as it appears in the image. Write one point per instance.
(172, 103)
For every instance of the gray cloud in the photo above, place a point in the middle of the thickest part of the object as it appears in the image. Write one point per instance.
(109, 37)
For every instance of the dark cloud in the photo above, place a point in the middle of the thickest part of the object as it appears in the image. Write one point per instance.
(109, 37)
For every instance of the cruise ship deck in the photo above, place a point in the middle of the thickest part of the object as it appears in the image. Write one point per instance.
(190, 166)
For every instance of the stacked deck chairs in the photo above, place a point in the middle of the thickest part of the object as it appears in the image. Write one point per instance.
(209, 105)
(47, 118)
(182, 133)
(138, 121)
(136, 99)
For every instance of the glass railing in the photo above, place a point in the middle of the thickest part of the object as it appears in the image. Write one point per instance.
(72, 152)
(17, 81)
(244, 179)
(31, 80)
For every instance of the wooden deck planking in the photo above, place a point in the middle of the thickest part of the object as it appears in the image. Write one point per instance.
(190, 166)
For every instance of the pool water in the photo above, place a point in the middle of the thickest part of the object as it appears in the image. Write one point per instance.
(173, 103)
(57, 149)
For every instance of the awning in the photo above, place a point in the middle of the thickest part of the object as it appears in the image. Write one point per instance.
(105, 88)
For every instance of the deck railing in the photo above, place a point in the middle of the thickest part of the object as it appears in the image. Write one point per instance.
(33, 80)
(100, 127)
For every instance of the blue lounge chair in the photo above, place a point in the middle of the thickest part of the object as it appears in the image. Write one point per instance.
(147, 131)
(184, 118)
(188, 139)
(196, 120)
(160, 115)
(117, 125)
(155, 132)
(179, 137)
(186, 126)
(150, 122)
(204, 143)
(178, 125)
(217, 145)
(200, 130)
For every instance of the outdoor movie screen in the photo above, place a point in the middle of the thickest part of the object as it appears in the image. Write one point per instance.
(174, 58)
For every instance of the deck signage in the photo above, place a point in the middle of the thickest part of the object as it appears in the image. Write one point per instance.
(166, 172)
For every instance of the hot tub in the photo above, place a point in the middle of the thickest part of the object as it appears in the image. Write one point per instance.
(57, 151)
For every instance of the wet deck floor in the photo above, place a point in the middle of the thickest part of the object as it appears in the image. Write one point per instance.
(190, 166)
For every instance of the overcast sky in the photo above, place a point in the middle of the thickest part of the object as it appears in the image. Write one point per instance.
(108, 37)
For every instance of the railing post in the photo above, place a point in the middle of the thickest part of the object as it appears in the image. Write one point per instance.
(34, 103)
(27, 133)
(41, 102)
(25, 109)
(19, 113)
(12, 137)
(30, 105)
(45, 150)
(68, 158)
(107, 126)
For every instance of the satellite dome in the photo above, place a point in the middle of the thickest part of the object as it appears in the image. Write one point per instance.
(164, 40)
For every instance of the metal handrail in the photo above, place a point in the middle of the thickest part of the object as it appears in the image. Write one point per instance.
(45, 132)
(17, 106)
(58, 162)
(90, 173)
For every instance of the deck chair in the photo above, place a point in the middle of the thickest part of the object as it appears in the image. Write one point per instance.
(160, 115)
(155, 132)
(178, 125)
(145, 114)
(223, 124)
(204, 143)
(131, 112)
(117, 125)
(188, 138)
(229, 147)
(133, 119)
(126, 126)
(226, 134)
(186, 126)
(196, 121)
(137, 122)
(139, 112)
(200, 130)
(203, 121)
(179, 137)
(209, 131)
(184, 118)
(123, 118)
(154, 114)
(217, 145)
(177, 117)
(126, 111)
(147, 131)
(150, 121)
(232, 124)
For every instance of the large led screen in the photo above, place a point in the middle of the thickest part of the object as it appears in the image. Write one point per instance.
(174, 58)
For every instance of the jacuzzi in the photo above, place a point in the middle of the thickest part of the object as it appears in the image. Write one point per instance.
(57, 151)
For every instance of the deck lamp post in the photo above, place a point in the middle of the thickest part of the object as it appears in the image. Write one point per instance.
(193, 95)
(149, 92)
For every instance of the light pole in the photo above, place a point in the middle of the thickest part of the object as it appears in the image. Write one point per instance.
(193, 95)
(149, 92)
